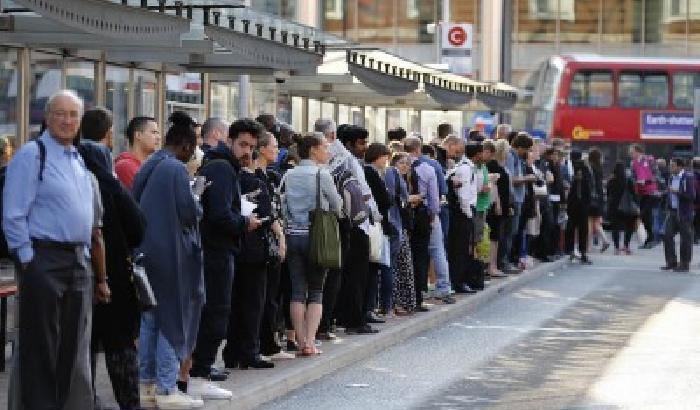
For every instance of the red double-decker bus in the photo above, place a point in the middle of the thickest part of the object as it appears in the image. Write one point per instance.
(611, 102)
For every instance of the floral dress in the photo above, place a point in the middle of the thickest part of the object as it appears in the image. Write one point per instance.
(404, 282)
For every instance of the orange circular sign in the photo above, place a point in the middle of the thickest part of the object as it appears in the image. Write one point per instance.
(457, 36)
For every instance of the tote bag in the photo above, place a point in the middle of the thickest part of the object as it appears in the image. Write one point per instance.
(324, 235)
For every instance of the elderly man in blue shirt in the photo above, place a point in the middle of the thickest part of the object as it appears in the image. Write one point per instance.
(48, 220)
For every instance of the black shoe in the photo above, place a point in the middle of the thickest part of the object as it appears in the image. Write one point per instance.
(326, 336)
(585, 260)
(292, 346)
(464, 289)
(447, 299)
(422, 308)
(213, 374)
(256, 364)
(373, 318)
(682, 269)
(361, 330)
(669, 267)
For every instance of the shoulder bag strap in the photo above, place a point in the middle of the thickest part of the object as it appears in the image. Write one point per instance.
(318, 189)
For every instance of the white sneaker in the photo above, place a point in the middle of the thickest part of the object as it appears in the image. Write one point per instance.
(177, 401)
(207, 390)
(282, 355)
(147, 392)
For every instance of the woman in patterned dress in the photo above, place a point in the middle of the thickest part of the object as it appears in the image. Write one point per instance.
(402, 264)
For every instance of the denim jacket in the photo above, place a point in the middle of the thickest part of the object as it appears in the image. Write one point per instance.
(299, 193)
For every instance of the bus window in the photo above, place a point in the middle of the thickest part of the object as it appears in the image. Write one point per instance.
(684, 85)
(591, 89)
(649, 90)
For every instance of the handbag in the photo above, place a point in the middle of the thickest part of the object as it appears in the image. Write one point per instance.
(628, 206)
(324, 235)
(144, 292)
(376, 240)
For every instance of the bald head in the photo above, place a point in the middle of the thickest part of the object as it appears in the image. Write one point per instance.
(63, 112)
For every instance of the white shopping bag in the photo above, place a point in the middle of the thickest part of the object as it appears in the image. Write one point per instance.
(641, 234)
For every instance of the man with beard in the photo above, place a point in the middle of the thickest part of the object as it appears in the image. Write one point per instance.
(250, 283)
(221, 228)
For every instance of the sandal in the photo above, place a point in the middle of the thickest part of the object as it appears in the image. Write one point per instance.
(308, 351)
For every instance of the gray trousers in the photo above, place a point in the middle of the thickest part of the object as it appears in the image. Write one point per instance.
(51, 370)
(674, 225)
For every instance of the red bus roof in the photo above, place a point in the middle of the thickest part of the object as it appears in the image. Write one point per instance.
(636, 61)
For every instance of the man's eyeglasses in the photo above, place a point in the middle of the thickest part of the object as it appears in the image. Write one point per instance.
(66, 114)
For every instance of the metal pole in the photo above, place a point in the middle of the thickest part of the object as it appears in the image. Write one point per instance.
(696, 121)
(100, 80)
(23, 95)
(244, 90)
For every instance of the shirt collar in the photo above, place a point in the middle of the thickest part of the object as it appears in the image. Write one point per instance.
(306, 162)
(53, 146)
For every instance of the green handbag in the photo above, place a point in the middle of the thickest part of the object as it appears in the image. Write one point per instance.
(324, 235)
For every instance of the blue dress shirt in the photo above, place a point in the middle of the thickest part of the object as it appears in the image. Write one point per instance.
(58, 208)
(439, 174)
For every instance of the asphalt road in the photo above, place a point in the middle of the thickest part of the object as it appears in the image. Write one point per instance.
(620, 334)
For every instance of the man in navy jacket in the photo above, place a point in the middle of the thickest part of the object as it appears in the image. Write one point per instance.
(680, 209)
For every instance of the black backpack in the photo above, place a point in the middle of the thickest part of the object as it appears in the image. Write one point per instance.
(4, 250)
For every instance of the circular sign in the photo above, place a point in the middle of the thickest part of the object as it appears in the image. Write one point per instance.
(457, 36)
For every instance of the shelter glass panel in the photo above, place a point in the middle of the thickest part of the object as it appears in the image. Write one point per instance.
(46, 79)
(80, 77)
(9, 140)
(314, 113)
(225, 100)
(117, 100)
(297, 113)
(183, 92)
(263, 99)
(145, 95)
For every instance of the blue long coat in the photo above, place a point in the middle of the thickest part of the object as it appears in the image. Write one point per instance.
(172, 248)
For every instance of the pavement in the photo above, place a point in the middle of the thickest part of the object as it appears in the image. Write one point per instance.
(619, 334)
(253, 388)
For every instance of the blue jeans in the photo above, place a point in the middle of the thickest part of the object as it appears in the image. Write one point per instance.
(436, 248)
(158, 362)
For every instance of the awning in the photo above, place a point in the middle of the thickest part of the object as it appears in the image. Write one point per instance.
(384, 73)
(498, 97)
(111, 20)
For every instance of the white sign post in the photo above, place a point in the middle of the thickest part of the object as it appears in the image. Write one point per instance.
(456, 44)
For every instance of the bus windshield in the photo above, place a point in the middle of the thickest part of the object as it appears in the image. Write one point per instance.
(546, 93)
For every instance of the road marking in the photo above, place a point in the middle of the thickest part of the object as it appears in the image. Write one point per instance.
(542, 329)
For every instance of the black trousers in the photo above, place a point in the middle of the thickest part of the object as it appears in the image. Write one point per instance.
(676, 225)
(421, 262)
(270, 321)
(622, 224)
(646, 208)
(218, 281)
(460, 245)
(249, 287)
(331, 290)
(52, 369)
(578, 222)
(354, 281)
(546, 243)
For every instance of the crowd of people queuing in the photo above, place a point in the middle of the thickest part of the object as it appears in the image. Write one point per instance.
(223, 217)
